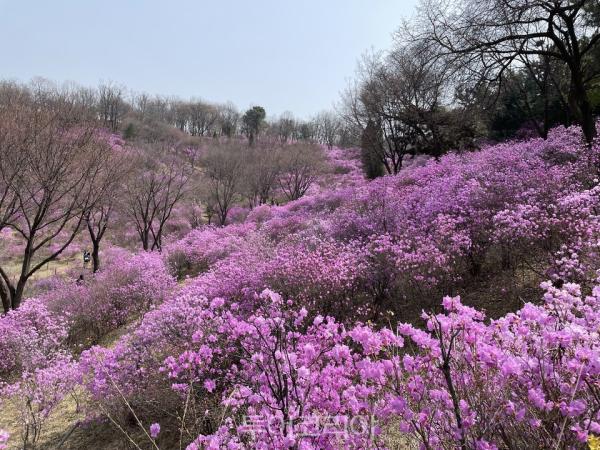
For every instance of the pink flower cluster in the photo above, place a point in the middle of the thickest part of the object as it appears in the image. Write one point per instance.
(285, 379)
(203, 247)
(126, 287)
(37, 394)
(32, 338)
(3, 439)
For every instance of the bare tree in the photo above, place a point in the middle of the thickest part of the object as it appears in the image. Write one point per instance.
(195, 213)
(101, 213)
(97, 223)
(181, 115)
(202, 118)
(327, 127)
(369, 104)
(60, 171)
(261, 169)
(306, 131)
(223, 172)
(286, 125)
(229, 119)
(161, 109)
(85, 98)
(409, 98)
(111, 105)
(141, 103)
(489, 36)
(157, 184)
(11, 96)
(300, 166)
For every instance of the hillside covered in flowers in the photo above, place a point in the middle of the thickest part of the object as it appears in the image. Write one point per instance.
(454, 305)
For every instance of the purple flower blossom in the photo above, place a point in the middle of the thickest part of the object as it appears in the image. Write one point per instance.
(154, 430)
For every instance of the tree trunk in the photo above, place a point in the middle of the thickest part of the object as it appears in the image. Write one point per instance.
(4, 295)
(95, 255)
(17, 296)
(588, 125)
(145, 239)
(16, 293)
(12, 296)
(222, 218)
(157, 243)
(581, 108)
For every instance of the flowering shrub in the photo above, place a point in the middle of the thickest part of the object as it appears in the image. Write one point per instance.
(284, 369)
(415, 236)
(237, 214)
(31, 337)
(323, 276)
(260, 214)
(527, 380)
(131, 286)
(154, 430)
(203, 247)
(37, 394)
(469, 384)
(36, 368)
(122, 290)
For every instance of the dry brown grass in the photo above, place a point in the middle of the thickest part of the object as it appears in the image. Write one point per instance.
(55, 267)
(62, 420)
(396, 440)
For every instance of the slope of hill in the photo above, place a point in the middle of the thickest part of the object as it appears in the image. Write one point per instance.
(346, 318)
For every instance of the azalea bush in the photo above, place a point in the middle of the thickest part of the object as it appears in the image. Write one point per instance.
(322, 275)
(37, 394)
(433, 229)
(38, 339)
(283, 369)
(31, 337)
(123, 289)
(529, 379)
(203, 247)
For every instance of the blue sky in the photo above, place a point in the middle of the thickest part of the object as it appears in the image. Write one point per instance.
(284, 55)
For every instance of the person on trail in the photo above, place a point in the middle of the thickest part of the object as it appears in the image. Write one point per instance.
(87, 256)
